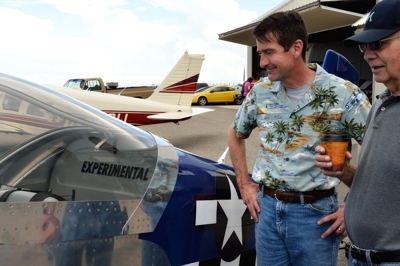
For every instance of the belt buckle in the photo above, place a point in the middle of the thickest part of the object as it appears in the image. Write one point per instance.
(359, 254)
(277, 191)
(355, 250)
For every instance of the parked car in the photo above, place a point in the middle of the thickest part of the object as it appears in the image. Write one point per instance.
(217, 94)
(201, 85)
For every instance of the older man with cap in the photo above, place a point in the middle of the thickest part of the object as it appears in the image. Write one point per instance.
(372, 216)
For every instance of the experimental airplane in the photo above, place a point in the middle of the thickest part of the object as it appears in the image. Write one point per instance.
(80, 187)
(170, 102)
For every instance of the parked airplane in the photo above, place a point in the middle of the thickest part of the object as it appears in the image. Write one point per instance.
(170, 102)
(109, 193)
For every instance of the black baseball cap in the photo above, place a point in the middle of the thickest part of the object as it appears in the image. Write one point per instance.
(382, 21)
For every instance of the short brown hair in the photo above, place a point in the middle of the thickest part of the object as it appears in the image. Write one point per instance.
(286, 27)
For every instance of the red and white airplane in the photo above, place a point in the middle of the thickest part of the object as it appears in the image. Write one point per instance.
(170, 102)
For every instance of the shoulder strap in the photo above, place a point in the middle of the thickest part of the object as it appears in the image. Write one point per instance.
(5, 195)
(39, 196)
(42, 195)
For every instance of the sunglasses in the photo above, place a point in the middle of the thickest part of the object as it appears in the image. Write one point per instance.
(374, 46)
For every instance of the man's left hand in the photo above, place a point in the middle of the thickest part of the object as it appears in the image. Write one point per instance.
(337, 225)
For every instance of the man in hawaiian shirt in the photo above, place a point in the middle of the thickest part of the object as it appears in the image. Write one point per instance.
(292, 108)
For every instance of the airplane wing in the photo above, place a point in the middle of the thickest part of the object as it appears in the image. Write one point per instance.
(179, 115)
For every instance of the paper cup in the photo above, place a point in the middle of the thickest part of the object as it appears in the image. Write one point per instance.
(335, 147)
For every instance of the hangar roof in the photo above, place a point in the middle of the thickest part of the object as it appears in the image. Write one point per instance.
(317, 17)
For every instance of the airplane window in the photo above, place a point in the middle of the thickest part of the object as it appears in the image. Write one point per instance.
(11, 103)
(77, 163)
(45, 148)
(77, 152)
(99, 165)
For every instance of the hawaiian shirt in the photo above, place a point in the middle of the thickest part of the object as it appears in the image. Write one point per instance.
(289, 134)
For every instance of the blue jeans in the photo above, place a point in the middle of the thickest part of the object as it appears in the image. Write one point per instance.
(288, 233)
(354, 262)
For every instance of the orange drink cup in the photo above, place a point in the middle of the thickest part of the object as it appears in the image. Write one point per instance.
(335, 147)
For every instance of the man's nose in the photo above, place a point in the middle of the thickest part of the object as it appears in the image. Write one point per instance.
(264, 61)
(369, 54)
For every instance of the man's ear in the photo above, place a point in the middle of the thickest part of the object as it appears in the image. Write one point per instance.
(298, 47)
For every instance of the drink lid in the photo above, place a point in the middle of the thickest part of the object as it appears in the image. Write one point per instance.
(335, 137)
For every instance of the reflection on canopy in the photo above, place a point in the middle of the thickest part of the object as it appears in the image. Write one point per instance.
(101, 166)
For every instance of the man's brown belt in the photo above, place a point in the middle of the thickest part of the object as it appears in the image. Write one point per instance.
(295, 197)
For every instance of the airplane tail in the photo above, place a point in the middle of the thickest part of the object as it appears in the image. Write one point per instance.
(338, 65)
(179, 85)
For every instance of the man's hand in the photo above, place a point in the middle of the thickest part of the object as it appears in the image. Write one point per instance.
(337, 225)
(248, 191)
(324, 163)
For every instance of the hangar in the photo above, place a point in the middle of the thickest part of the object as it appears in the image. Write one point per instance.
(328, 23)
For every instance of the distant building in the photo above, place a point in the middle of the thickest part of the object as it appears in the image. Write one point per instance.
(328, 24)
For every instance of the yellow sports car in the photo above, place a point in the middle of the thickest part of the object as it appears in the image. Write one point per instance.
(217, 94)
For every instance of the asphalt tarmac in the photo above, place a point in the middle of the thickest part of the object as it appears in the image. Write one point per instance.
(206, 135)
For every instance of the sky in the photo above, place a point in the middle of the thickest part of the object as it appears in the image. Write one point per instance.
(132, 42)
